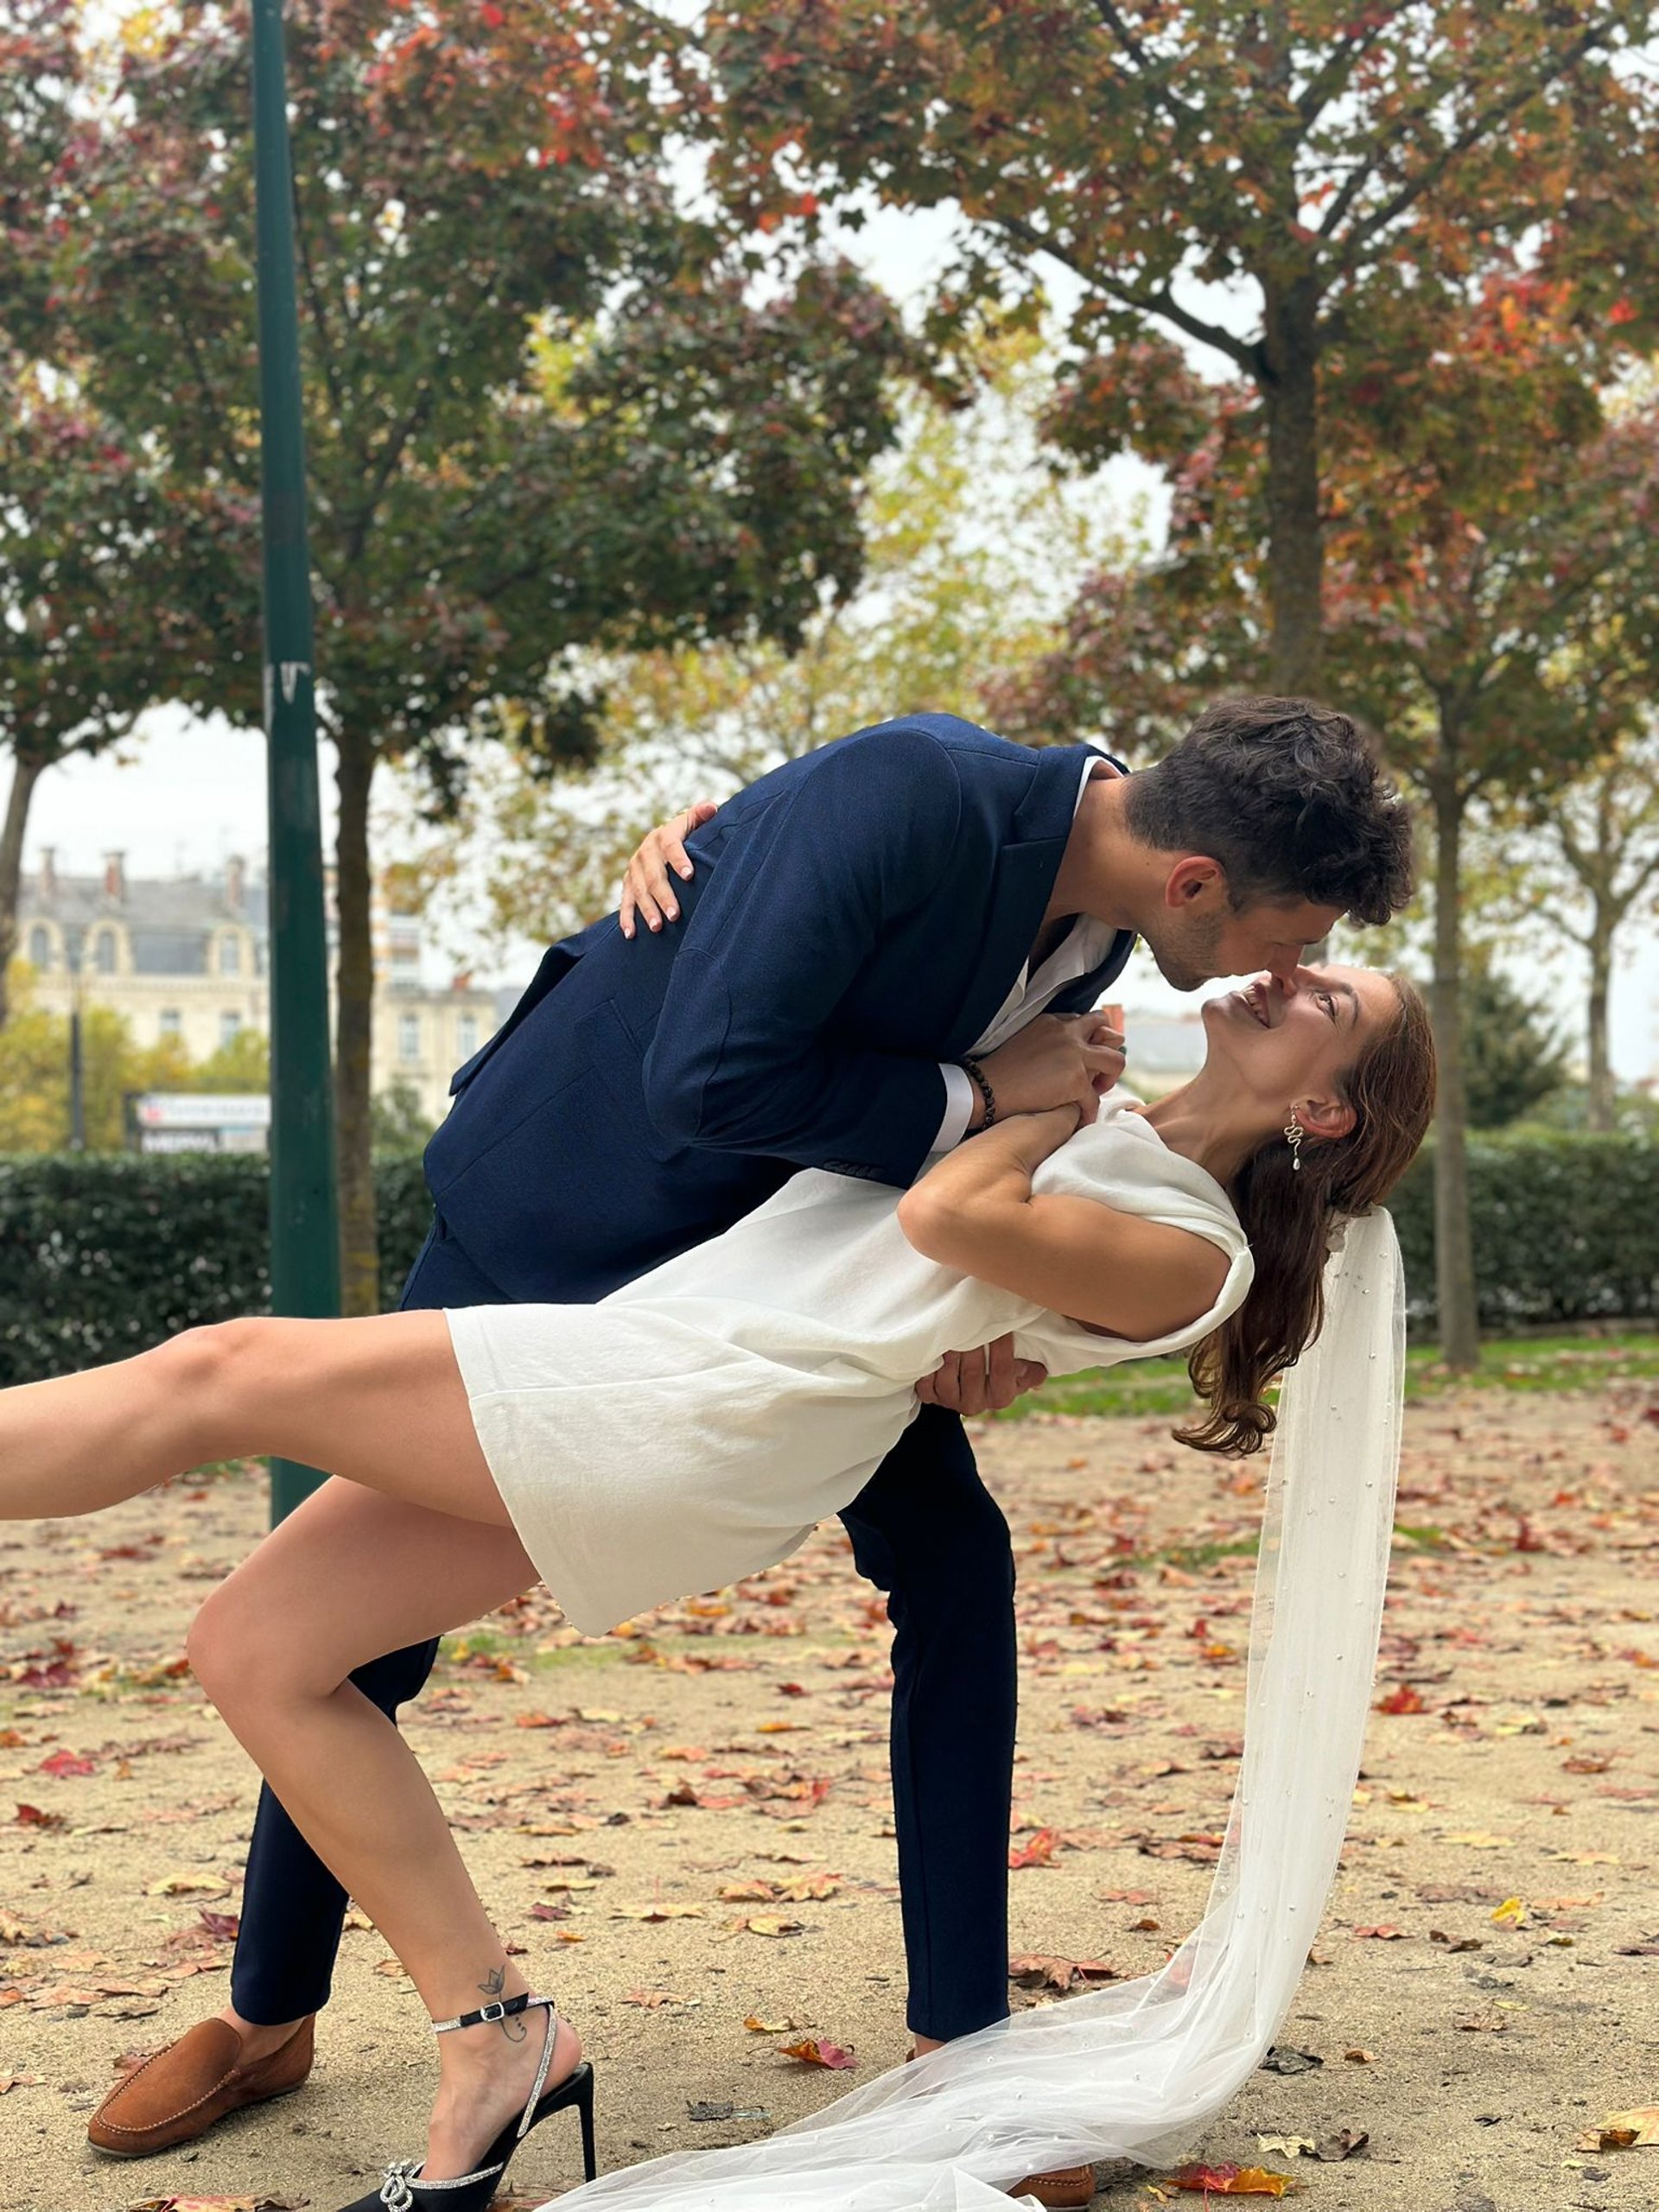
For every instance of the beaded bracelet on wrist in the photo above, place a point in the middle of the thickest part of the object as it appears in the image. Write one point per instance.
(982, 1083)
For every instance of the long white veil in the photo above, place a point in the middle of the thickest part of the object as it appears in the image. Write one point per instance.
(1135, 2070)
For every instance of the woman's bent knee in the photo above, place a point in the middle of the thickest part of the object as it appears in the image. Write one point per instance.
(202, 1360)
(242, 1659)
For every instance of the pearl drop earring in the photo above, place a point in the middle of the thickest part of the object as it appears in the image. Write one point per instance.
(1293, 1139)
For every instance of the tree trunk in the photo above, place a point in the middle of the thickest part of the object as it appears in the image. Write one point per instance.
(360, 1265)
(1290, 391)
(25, 775)
(1598, 1113)
(1454, 1251)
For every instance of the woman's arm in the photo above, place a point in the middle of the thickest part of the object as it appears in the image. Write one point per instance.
(1115, 1272)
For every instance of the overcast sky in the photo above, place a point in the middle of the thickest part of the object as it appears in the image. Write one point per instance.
(192, 791)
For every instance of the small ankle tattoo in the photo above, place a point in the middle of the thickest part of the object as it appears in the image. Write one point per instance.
(492, 1984)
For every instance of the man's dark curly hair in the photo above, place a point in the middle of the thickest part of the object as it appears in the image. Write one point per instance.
(1292, 801)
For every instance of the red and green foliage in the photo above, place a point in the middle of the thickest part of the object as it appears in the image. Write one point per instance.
(1490, 585)
(105, 574)
(542, 410)
(1343, 172)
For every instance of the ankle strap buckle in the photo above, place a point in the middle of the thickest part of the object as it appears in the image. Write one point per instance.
(495, 2009)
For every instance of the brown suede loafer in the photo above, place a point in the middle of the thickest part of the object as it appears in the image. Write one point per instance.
(179, 2093)
(1065, 2189)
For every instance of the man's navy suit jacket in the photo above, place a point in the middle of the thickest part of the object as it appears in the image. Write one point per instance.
(856, 917)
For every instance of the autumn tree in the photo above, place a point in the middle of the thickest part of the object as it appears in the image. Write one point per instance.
(78, 638)
(1588, 868)
(544, 412)
(108, 576)
(972, 550)
(1484, 517)
(1322, 166)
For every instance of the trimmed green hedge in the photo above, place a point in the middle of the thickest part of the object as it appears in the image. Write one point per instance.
(1565, 1228)
(104, 1255)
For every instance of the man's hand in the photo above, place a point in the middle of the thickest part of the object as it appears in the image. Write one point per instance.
(981, 1382)
(1058, 1059)
(647, 891)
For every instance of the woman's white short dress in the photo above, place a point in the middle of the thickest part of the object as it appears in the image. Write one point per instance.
(694, 1427)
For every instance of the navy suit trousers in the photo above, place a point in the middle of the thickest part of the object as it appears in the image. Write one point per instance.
(925, 1530)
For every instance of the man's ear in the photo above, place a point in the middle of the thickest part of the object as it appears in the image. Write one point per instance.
(1329, 1118)
(1191, 880)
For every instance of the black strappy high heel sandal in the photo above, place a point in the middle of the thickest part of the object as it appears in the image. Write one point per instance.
(403, 2189)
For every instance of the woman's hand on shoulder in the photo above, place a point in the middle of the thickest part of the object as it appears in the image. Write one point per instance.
(647, 891)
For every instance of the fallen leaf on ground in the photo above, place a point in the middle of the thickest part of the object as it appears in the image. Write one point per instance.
(18, 2082)
(1403, 1699)
(1036, 1970)
(217, 2204)
(188, 1885)
(67, 1762)
(1285, 2058)
(1344, 2143)
(1232, 2181)
(811, 2050)
(1637, 2129)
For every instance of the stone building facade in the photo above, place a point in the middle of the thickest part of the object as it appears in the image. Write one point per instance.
(189, 957)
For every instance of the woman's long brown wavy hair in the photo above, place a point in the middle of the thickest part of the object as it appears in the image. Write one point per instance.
(1287, 1214)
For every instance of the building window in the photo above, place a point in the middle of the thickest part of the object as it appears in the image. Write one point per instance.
(466, 1034)
(230, 955)
(230, 1028)
(103, 952)
(409, 1036)
(170, 1022)
(40, 947)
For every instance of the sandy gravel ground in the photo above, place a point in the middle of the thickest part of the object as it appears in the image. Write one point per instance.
(690, 1829)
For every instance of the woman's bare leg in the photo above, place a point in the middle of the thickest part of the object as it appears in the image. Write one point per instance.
(379, 1400)
(346, 1575)
(415, 1541)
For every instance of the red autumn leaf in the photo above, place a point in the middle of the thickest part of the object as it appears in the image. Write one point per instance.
(1232, 2181)
(67, 1762)
(31, 1816)
(1037, 1852)
(1403, 1699)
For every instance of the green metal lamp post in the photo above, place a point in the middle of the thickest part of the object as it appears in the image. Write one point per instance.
(304, 1229)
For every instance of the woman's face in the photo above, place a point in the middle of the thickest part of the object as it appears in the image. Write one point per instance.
(1287, 1048)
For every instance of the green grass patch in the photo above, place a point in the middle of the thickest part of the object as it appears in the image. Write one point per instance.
(1154, 1388)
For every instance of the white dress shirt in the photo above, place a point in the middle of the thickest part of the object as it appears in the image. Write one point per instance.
(1084, 946)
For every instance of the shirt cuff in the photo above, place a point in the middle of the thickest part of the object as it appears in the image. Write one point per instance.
(958, 1106)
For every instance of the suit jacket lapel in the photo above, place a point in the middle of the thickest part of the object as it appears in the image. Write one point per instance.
(1020, 889)
(1079, 997)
